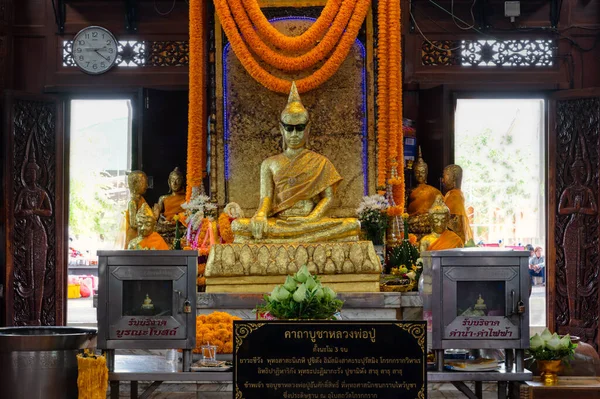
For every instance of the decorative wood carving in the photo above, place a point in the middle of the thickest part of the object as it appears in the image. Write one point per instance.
(576, 228)
(34, 286)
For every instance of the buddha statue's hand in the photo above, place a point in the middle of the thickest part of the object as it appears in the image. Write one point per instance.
(258, 225)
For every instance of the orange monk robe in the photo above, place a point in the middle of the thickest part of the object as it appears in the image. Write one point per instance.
(302, 178)
(172, 205)
(447, 240)
(153, 241)
(455, 201)
(421, 199)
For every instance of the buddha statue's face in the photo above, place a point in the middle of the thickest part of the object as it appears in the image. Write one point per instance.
(295, 128)
(448, 179)
(421, 173)
(138, 184)
(439, 222)
(175, 182)
(146, 226)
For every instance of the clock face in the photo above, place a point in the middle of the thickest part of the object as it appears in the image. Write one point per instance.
(95, 50)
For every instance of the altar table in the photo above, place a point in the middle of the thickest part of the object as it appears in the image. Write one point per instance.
(137, 368)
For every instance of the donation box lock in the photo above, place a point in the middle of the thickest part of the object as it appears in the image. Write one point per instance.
(187, 306)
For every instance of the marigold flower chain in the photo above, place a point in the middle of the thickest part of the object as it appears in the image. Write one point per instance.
(382, 96)
(215, 329)
(305, 84)
(287, 63)
(225, 229)
(196, 111)
(306, 40)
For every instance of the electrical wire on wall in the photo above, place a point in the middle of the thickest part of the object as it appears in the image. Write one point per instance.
(162, 13)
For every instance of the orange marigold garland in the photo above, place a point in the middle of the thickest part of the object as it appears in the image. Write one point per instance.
(306, 40)
(305, 84)
(225, 229)
(382, 94)
(196, 157)
(396, 83)
(283, 62)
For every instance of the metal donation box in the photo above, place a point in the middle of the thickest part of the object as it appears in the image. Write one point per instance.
(147, 300)
(480, 300)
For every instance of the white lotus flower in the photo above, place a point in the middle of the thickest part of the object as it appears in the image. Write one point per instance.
(553, 343)
(300, 294)
(546, 335)
(536, 342)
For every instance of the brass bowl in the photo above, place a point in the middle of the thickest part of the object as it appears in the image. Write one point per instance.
(383, 287)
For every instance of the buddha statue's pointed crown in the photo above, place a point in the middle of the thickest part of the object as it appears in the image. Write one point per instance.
(420, 161)
(439, 206)
(294, 112)
(144, 213)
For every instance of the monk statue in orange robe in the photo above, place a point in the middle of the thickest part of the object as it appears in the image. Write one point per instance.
(138, 184)
(169, 206)
(420, 199)
(455, 200)
(147, 238)
(297, 187)
(440, 237)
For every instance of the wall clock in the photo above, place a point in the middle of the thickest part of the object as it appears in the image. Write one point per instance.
(95, 50)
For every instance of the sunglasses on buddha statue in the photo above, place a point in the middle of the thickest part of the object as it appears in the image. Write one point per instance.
(291, 128)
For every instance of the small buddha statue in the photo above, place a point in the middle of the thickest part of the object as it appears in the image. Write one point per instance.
(169, 205)
(296, 189)
(480, 305)
(440, 237)
(147, 305)
(138, 184)
(147, 238)
(455, 200)
(420, 199)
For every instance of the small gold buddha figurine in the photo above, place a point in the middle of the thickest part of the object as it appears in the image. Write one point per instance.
(296, 189)
(440, 237)
(147, 238)
(138, 184)
(420, 199)
(480, 305)
(455, 200)
(148, 305)
(170, 205)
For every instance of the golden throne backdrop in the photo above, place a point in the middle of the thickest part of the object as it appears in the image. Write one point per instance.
(341, 114)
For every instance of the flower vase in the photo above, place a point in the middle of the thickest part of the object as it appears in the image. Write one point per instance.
(549, 370)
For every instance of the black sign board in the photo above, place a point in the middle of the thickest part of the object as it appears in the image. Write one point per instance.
(329, 359)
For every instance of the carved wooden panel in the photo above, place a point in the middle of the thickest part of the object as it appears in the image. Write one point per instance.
(33, 193)
(576, 296)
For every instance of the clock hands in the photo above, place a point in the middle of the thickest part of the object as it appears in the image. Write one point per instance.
(96, 51)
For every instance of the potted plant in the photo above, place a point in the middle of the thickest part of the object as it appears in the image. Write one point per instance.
(550, 351)
(373, 218)
(301, 297)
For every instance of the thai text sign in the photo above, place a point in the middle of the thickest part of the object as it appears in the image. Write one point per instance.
(489, 327)
(329, 359)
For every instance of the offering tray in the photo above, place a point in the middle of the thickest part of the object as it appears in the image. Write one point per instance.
(481, 364)
(219, 365)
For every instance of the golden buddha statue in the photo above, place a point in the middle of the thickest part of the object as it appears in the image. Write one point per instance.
(148, 305)
(296, 189)
(440, 237)
(147, 238)
(170, 205)
(138, 184)
(455, 200)
(420, 199)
